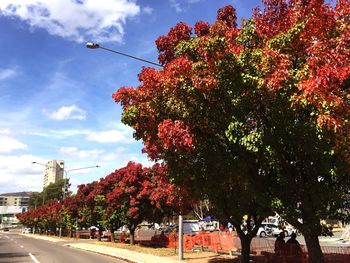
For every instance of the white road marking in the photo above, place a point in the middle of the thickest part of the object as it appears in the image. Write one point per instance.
(33, 258)
(21, 246)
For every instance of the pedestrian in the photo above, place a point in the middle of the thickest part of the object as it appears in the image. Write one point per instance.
(292, 239)
(294, 247)
(280, 244)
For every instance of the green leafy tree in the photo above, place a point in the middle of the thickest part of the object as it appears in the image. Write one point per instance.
(36, 200)
(53, 191)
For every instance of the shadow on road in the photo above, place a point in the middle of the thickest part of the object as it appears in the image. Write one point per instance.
(13, 257)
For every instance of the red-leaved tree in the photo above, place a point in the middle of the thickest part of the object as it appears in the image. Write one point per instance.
(254, 117)
(143, 194)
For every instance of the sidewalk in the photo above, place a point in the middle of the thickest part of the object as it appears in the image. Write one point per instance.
(130, 256)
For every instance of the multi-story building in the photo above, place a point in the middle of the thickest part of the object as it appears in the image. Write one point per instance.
(54, 171)
(12, 204)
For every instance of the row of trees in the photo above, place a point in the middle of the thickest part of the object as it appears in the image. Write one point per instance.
(127, 196)
(254, 118)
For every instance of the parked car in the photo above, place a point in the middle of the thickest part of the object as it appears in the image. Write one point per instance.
(27, 230)
(287, 229)
(6, 229)
(277, 226)
(264, 231)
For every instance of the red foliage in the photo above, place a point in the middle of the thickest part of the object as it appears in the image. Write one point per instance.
(227, 15)
(275, 18)
(125, 95)
(167, 44)
(132, 192)
(175, 135)
(86, 194)
(231, 39)
(201, 28)
(142, 193)
(322, 43)
(275, 67)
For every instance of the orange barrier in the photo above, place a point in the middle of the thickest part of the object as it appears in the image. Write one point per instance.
(229, 241)
(214, 241)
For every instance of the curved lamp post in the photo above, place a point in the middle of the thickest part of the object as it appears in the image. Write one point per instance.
(66, 173)
(92, 45)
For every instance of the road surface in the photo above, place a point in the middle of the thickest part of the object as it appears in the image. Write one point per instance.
(18, 248)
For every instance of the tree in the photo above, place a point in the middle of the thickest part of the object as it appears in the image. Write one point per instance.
(141, 194)
(108, 214)
(53, 191)
(85, 198)
(36, 200)
(70, 214)
(259, 112)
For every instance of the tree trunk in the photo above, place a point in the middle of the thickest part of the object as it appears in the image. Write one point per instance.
(132, 235)
(311, 229)
(99, 233)
(245, 244)
(314, 248)
(111, 231)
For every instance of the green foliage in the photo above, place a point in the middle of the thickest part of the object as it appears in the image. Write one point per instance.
(54, 191)
(285, 39)
(129, 115)
(36, 200)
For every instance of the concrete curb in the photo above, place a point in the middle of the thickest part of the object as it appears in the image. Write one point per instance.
(122, 254)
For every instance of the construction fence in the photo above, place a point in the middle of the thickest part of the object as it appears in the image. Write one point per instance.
(229, 242)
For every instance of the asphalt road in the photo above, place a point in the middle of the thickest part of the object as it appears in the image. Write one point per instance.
(17, 248)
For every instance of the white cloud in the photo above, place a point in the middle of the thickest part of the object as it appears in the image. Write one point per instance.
(112, 156)
(148, 10)
(176, 5)
(111, 136)
(5, 131)
(7, 73)
(57, 134)
(66, 113)
(19, 174)
(117, 134)
(9, 144)
(74, 152)
(79, 20)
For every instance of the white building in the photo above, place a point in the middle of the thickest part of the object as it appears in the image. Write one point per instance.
(54, 171)
(12, 204)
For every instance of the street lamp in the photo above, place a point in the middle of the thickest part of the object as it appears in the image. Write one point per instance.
(92, 45)
(65, 186)
(66, 173)
(74, 169)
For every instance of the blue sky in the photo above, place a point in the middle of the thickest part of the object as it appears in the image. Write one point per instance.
(55, 100)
